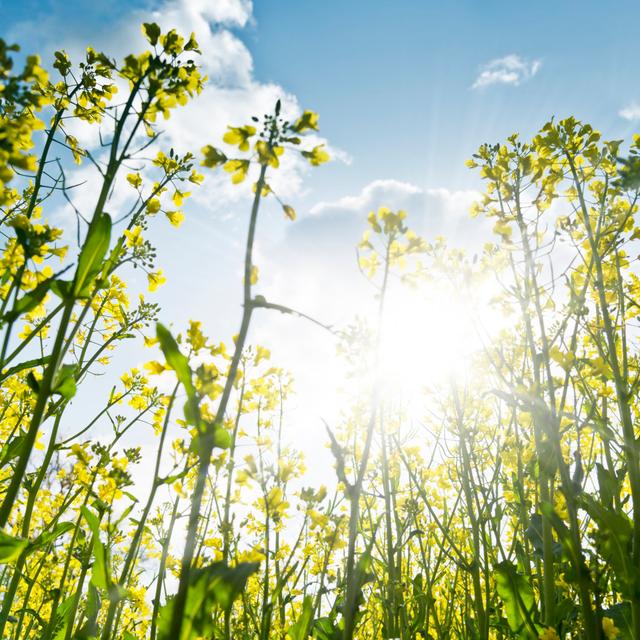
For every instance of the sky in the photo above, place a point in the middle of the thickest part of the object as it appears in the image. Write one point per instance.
(406, 91)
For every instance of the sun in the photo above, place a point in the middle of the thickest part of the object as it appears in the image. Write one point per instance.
(431, 333)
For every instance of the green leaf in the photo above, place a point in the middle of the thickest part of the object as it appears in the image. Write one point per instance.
(32, 382)
(171, 479)
(421, 599)
(180, 364)
(225, 583)
(608, 485)
(613, 540)
(221, 438)
(11, 547)
(326, 629)
(27, 364)
(534, 534)
(299, 630)
(30, 612)
(518, 597)
(65, 381)
(175, 358)
(213, 587)
(95, 248)
(62, 617)
(12, 449)
(28, 302)
(562, 531)
(100, 571)
(191, 412)
(62, 288)
(89, 629)
(47, 537)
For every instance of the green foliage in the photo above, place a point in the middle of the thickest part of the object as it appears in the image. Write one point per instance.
(299, 630)
(93, 252)
(180, 364)
(518, 599)
(213, 587)
(11, 547)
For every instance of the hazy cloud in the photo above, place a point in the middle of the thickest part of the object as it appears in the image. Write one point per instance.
(395, 194)
(511, 69)
(631, 112)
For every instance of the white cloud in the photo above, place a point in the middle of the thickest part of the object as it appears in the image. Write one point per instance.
(230, 97)
(228, 12)
(225, 58)
(631, 112)
(371, 194)
(321, 245)
(511, 69)
(400, 195)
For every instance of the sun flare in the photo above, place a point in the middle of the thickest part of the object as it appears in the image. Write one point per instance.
(431, 334)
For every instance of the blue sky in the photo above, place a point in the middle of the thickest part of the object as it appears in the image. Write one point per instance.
(394, 85)
(392, 80)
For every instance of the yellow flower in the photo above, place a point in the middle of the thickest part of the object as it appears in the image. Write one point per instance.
(153, 206)
(175, 217)
(134, 180)
(134, 239)
(154, 367)
(37, 444)
(610, 629)
(149, 341)
(155, 279)
(549, 634)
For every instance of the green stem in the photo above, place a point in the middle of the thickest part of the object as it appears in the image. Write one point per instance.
(36, 419)
(207, 440)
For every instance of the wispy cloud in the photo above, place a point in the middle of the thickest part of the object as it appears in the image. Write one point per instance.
(511, 69)
(631, 112)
